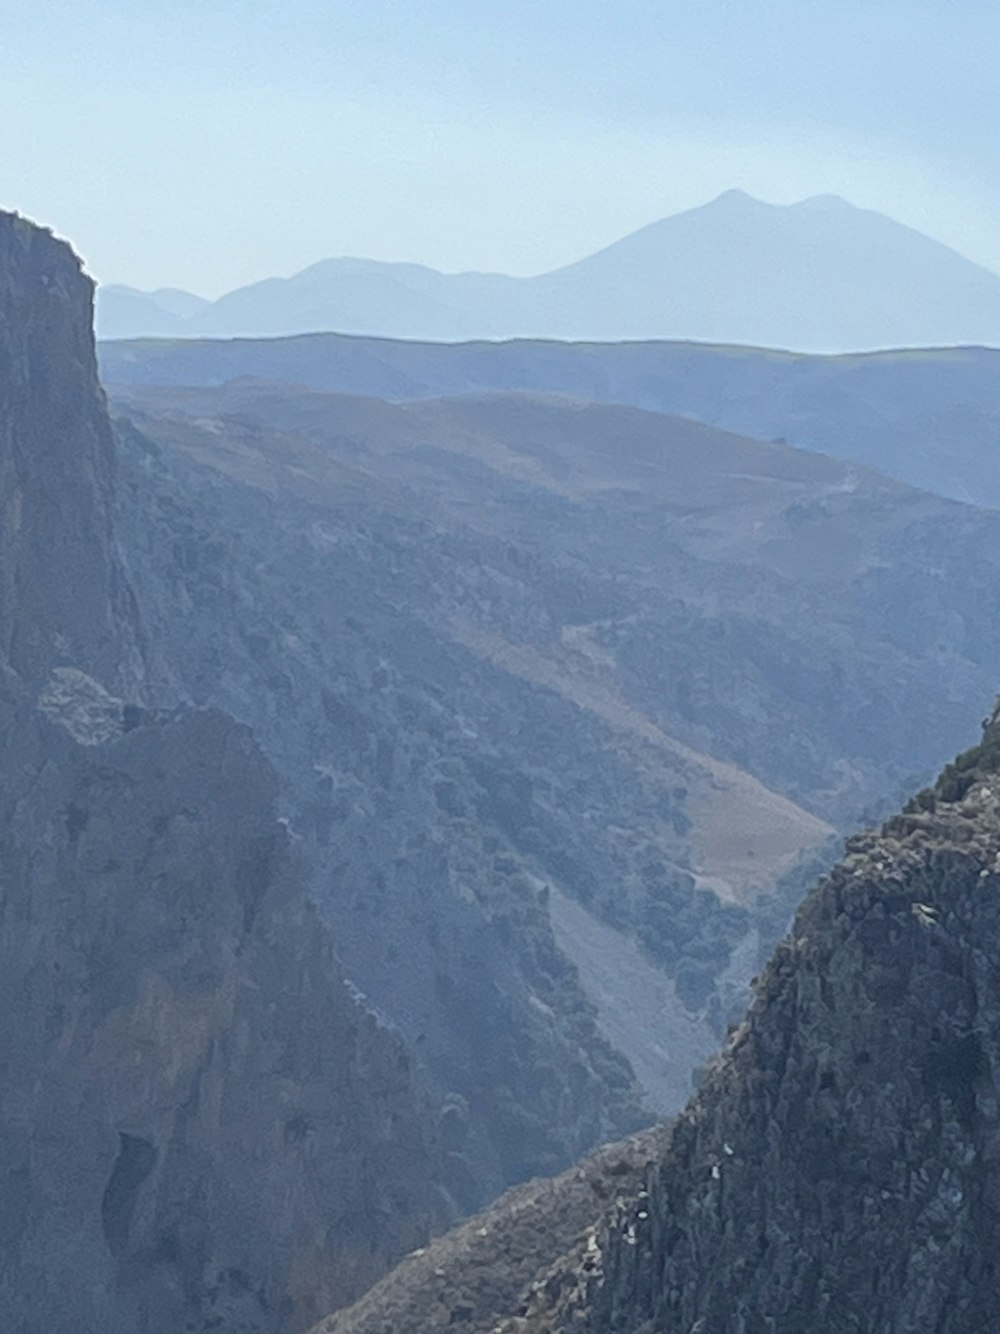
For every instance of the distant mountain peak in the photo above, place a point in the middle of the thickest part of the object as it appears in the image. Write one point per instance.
(736, 198)
(818, 275)
(825, 204)
(741, 199)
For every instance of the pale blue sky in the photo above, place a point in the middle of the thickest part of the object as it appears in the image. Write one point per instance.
(208, 144)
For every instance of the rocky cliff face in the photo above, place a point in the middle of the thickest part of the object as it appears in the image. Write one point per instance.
(201, 1128)
(469, 1278)
(62, 598)
(200, 1125)
(838, 1171)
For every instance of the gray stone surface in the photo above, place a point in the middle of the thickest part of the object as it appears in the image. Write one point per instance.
(200, 1125)
(62, 598)
(838, 1169)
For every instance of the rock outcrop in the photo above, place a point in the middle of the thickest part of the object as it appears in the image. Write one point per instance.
(62, 598)
(201, 1127)
(485, 1266)
(838, 1170)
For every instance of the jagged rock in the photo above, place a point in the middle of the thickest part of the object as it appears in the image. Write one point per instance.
(838, 1169)
(63, 600)
(488, 1265)
(82, 705)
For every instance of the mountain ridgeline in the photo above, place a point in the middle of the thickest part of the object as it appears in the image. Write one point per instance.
(819, 276)
(928, 417)
(200, 1126)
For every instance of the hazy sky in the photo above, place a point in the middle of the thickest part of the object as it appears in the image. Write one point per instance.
(205, 144)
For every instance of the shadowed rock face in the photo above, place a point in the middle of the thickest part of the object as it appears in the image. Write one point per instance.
(483, 1268)
(838, 1169)
(308, 623)
(200, 1126)
(199, 1121)
(62, 598)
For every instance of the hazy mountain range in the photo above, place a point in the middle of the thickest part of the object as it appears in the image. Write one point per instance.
(930, 418)
(820, 275)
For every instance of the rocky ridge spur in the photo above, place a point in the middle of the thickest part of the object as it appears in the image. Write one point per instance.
(839, 1169)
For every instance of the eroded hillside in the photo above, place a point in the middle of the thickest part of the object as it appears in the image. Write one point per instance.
(551, 686)
(836, 1171)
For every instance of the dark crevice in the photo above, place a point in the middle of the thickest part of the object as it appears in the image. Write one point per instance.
(136, 1159)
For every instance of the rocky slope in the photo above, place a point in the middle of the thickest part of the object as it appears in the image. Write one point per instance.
(551, 687)
(840, 1166)
(200, 1125)
(306, 621)
(721, 588)
(838, 1169)
(484, 1268)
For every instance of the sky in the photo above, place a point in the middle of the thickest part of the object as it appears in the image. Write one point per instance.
(206, 145)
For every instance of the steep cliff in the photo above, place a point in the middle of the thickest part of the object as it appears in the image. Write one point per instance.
(62, 598)
(838, 1171)
(200, 1125)
(467, 1279)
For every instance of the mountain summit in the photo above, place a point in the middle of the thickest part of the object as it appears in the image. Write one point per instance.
(820, 275)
